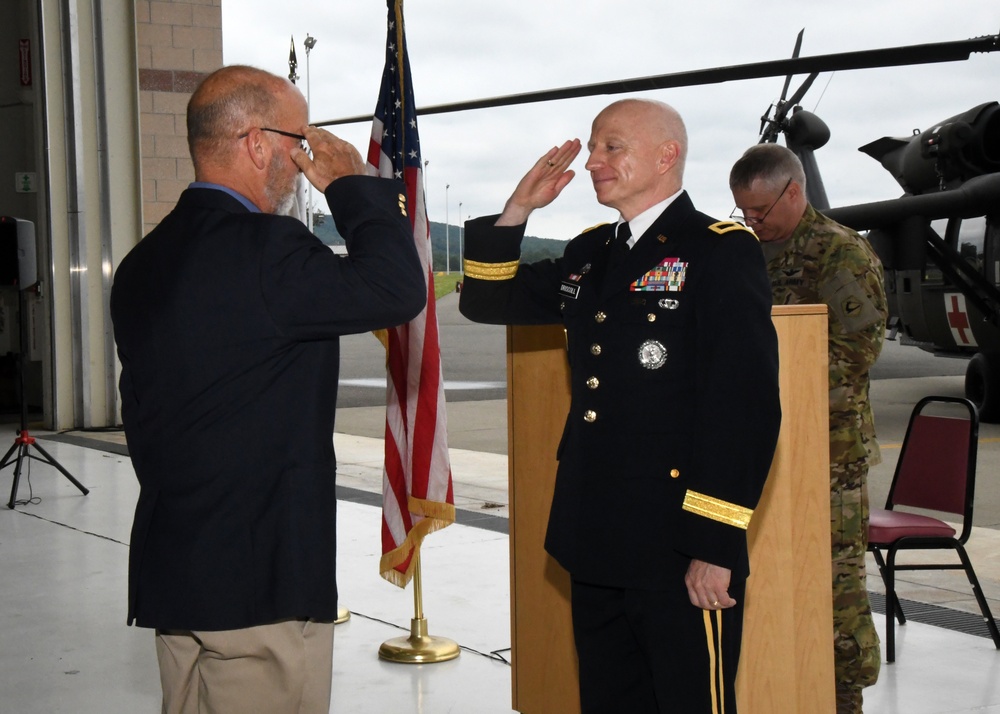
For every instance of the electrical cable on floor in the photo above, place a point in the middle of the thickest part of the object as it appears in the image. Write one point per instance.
(31, 500)
(494, 655)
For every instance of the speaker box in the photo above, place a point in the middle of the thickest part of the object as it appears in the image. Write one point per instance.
(18, 261)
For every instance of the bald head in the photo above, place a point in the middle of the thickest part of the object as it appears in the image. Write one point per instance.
(638, 148)
(243, 125)
(658, 120)
(227, 103)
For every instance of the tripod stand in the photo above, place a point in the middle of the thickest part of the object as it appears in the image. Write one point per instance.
(23, 442)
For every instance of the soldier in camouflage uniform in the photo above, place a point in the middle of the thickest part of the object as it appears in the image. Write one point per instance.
(812, 259)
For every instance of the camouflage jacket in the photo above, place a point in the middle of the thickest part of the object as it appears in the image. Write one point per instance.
(825, 262)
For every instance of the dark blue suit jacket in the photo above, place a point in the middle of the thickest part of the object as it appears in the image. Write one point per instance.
(227, 324)
(674, 414)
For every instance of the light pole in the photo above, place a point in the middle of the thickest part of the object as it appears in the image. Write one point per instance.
(426, 161)
(447, 239)
(460, 229)
(309, 43)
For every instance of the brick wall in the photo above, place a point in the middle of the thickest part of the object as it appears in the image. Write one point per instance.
(178, 43)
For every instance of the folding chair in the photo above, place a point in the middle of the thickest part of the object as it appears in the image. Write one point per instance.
(936, 471)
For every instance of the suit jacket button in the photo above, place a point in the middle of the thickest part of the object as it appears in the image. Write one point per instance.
(590, 416)
(674, 473)
(600, 317)
(595, 349)
(593, 383)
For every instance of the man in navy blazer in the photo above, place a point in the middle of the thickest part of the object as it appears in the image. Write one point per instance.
(674, 413)
(227, 318)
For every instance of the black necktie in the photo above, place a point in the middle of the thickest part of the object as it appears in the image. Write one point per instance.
(619, 247)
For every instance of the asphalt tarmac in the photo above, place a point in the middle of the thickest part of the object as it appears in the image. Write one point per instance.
(474, 363)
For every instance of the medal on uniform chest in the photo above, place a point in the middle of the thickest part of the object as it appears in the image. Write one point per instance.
(669, 275)
(652, 354)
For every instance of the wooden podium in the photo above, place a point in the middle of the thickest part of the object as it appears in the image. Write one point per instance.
(787, 662)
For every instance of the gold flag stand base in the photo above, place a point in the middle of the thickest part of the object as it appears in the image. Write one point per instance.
(419, 647)
(343, 615)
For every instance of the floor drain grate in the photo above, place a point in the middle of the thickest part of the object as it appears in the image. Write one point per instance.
(936, 615)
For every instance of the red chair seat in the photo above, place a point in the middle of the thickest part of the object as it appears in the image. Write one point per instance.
(885, 527)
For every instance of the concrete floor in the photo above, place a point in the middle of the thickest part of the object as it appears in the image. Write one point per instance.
(66, 647)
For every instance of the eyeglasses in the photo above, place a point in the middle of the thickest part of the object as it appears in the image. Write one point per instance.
(302, 139)
(745, 220)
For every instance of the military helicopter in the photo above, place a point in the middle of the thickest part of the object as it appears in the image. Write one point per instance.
(939, 242)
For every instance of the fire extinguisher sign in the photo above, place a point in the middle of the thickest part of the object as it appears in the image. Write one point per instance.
(24, 53)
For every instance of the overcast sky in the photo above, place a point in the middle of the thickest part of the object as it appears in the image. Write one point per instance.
(462, 50)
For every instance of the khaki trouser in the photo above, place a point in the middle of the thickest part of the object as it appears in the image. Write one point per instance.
(282, 668)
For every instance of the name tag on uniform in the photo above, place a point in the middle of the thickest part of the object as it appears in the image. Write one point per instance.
(669, 275)
(569, 289)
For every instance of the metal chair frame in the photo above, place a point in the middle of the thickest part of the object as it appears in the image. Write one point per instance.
(887, 566)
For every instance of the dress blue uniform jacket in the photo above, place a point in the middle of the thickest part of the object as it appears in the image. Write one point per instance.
(674, 413)
(227, 324)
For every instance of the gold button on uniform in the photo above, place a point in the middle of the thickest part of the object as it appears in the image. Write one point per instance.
(595, 349)
(651, 317)
(593, 383)
(601, 316)
(590, 416)
(674, 473)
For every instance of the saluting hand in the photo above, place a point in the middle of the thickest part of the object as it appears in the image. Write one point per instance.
(541, 185)
(332, 158)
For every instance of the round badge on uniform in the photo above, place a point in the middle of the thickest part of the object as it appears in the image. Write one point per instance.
(652, 354)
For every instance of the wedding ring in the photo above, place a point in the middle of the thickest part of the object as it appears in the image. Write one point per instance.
(551, 163)
(715, 603)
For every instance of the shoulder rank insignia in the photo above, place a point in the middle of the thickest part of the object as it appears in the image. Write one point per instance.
(726, 226)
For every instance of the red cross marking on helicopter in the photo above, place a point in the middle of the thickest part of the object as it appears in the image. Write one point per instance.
(959, 321)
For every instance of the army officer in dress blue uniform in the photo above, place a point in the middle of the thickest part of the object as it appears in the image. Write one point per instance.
(674, 414)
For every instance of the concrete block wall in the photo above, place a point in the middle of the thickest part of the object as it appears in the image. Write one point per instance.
(178, 43)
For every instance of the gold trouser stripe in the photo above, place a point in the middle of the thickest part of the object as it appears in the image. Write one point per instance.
(731, 514)
(716, 680)
(722, 662)
(711, 660)
(490, 271)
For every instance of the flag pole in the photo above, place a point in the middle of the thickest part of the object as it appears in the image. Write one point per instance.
(419, 647)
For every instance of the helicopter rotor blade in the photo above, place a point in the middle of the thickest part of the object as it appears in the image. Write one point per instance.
(795, 55)
(864, 59)
(801, 91)
(765, 118)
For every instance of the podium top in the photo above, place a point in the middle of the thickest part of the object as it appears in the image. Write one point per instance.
(782, 310)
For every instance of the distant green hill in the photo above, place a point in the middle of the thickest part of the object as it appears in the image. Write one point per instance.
(532, 248)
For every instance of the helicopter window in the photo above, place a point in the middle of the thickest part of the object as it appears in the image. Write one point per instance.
(967, 237)
(932, 273)
(972, 239)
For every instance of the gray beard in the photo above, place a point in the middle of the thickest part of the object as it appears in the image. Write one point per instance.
(283, 207)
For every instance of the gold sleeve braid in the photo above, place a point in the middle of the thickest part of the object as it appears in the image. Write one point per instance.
(490, 271)
(731, 514)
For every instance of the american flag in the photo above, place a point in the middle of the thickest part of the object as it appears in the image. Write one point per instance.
(417, 496)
